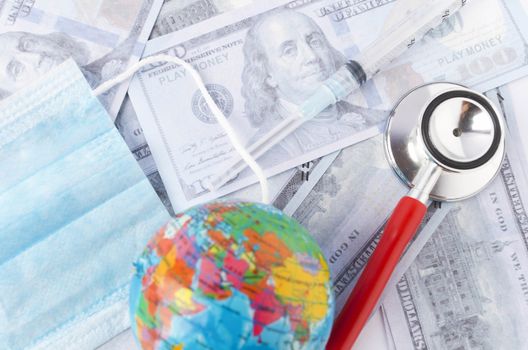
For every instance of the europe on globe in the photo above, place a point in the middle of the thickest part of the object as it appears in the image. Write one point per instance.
(232, 275)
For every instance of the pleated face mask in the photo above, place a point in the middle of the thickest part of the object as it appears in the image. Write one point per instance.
(75, 211)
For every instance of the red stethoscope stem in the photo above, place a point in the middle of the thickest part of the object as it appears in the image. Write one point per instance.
(400, 229)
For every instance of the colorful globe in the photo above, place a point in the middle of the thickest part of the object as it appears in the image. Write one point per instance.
(232, 276)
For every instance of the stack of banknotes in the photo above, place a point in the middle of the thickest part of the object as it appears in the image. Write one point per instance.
(462, 283)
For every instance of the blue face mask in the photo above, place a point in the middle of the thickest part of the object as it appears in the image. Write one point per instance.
(75, 211)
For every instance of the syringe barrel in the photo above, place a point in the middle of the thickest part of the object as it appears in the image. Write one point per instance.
(341, 84)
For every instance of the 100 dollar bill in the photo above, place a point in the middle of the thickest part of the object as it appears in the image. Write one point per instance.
(174, 15)
(258, 64)
(104, 37)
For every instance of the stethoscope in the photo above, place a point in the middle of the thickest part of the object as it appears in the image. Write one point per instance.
(446, 143)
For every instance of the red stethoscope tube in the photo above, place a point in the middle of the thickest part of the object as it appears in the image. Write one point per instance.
(400, 229)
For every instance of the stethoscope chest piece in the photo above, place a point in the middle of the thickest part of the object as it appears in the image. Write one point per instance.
(447, 133)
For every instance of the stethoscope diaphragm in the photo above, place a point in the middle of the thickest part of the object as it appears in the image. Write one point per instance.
(451, 127)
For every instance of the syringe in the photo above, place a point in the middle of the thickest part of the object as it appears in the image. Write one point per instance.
(425, 15)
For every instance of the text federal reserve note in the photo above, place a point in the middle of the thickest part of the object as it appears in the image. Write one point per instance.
(259, 62)
(103, 37)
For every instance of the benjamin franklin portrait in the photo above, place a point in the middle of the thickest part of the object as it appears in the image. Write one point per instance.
(287, 57)
(25, 57)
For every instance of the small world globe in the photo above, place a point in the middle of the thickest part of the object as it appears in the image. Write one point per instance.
(232, 275)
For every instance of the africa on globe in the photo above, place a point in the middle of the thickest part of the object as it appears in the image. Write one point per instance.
(232, 275)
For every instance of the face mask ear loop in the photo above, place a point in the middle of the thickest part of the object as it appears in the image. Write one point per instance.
(222, 120)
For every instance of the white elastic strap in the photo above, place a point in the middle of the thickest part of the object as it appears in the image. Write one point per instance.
(222, 120)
